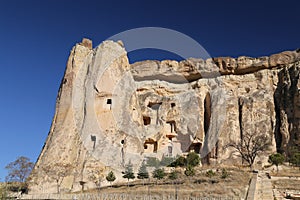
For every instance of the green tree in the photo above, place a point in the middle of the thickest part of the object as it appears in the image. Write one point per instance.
(143, 173)
(19, 170)
(158, 173)
(153, 162)
(173, 175)
(110, 177)
(179, 162)
(295, 159)
(276, 159)
(193, 159)
(189, 171)
(128, 172)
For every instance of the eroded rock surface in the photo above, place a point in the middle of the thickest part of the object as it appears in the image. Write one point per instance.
(110, 112)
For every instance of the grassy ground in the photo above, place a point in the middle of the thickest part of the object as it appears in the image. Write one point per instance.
(199, 185)
(286, 171)
(286, 180)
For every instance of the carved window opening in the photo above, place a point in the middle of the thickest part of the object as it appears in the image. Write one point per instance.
(94, 138)
(154, 105)
(170, 150)
(173, 105)
(109, 102)
(173, 126)
(147, 120)
(82, 185)
(150, 144)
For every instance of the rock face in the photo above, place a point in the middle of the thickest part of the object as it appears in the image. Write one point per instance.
(110, 112)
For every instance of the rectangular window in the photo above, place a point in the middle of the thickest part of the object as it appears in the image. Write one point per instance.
(147, 120)
(109, 103)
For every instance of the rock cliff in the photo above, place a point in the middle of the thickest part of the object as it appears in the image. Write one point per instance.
(110, 112)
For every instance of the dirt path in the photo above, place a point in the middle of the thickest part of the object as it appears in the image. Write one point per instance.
(263, 187)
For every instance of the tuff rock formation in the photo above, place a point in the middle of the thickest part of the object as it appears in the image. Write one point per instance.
(110, 112)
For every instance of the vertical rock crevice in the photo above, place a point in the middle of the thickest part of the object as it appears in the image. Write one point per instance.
(277, 133)
(207, 116)
(240, 113)
(207, 113)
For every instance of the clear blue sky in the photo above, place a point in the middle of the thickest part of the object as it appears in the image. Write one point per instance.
(37, 36)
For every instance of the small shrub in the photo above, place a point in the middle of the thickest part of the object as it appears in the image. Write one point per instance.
(128, 174)
(224, 174)
(173, 175)
(111, 177)
(179, 162)
(295, 159)
(193, 159)
(276, 159)
(189, 171)
(159, 173)
(143, 173)
(210, 173)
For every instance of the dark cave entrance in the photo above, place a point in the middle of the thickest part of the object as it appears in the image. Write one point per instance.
(196, 147)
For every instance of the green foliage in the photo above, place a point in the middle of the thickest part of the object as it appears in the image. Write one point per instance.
(189, 171)
(276, 159)
(128, 172)
(111, 177)
(292, 150)
(152, 162)
(19, 169)
(166, 161)
(158, 173)
(210, 173)
(295, 159)
(193, 159)
(173, 175)
(179, 162)
(143, 173)
(224, 174)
